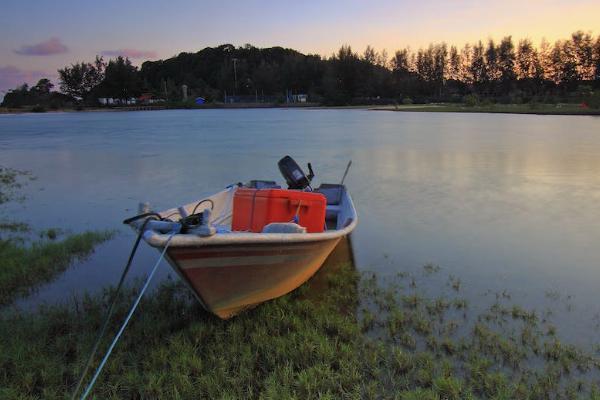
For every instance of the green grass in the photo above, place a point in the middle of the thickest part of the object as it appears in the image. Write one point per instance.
(24, 267)
(308, 344)
(532, 108)
(297, 346)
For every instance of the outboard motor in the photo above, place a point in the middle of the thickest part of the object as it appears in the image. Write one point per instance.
(293, 174)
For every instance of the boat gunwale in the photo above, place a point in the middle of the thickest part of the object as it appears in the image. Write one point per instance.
(159, 240)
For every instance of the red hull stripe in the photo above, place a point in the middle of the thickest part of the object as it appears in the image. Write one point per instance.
(198, 255)
(238, 252)
(237, 261)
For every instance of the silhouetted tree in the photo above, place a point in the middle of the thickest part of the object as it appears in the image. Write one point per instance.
(382, 59)
(506, 61)
(491, 62)
(495, 70)
(466, 56)
(597, 62)
(478, 70)
(564, 64)
(369, 55)
(80, 79)
(40, 95)
(582, 46)
(43, 87)
(121, 80)
(454, 67)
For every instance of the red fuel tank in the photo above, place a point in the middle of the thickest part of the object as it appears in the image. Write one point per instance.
(253, 209)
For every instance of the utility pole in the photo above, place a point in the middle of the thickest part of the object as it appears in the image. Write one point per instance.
(235, 60)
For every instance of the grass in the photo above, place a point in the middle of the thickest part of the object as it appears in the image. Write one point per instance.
(529, 108)
(23, 268)
(308, 344)
(295, 346)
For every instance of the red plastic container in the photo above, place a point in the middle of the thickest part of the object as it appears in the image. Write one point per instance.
(254, 208)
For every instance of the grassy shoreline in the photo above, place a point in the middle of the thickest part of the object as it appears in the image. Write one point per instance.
(26, 264)
(342, 335)
(23, 268)
(535, 109)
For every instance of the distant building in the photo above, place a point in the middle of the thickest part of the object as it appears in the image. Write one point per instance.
(149, 98)
(296, 98)
(300, 98)
(106, 101)
(111, 101)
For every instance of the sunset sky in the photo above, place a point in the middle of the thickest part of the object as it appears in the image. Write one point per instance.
(37, 37)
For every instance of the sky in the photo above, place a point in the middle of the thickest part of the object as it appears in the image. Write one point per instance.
(39, 36)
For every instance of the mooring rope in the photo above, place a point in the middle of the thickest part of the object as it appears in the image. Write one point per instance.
(111, 309)
(129, 315)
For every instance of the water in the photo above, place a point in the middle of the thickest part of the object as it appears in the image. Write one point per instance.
(504, 202)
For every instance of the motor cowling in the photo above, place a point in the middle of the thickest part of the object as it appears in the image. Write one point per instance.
(293, 174)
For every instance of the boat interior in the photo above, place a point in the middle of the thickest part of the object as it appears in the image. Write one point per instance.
(218, 209)
(256, 209)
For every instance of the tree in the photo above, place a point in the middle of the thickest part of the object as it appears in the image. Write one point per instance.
(39, 95)
(17, 97)
(506, 60)
(440, 61)
(583, 51)
(121, 79)
(454, 67)
(382, 59)
(401, 61)
(545, 59)
(477, 69)
(597, 61)
(466, 56)
(346, 67)
(564, 64)
(425, 64)
(527, 62)
(491, 61)
(369, 55)
(80, 79)
(43, 87)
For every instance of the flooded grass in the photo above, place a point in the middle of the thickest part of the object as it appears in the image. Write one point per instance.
(352, 338)
(25, 266)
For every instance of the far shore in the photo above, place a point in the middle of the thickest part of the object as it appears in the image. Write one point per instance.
(530, 108)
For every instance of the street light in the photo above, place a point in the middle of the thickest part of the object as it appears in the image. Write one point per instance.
(234, 74)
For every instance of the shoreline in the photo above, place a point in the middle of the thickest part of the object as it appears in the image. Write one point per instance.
(526, 109)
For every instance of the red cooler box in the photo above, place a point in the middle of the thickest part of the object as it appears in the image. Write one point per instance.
(253, 209)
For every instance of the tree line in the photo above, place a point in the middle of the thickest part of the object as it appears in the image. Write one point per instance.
(507, 71)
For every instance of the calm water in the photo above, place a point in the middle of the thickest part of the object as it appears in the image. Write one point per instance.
(500, 201)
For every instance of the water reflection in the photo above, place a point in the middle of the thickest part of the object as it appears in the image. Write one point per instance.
(502, 201)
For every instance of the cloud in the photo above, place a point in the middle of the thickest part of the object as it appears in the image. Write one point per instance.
(49, 47)
(130, 53)
(11, 77)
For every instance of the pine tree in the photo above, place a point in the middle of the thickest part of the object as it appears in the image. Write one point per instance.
(506, 59)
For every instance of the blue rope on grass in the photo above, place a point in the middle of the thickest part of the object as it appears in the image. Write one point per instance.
(118, 335)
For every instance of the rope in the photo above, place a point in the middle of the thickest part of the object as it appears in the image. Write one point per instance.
(111, 309)
(133, 308)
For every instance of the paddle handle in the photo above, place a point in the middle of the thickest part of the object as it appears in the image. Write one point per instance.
(346, 172)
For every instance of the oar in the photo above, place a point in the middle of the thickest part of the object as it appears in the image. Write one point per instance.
(346, 172)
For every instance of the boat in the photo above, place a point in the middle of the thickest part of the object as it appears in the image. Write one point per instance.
(253, 242)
